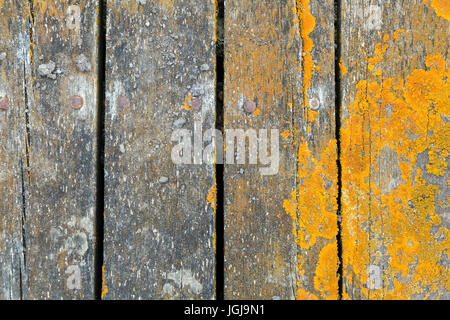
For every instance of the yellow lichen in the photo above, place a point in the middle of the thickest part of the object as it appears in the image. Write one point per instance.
(285, 134)
(312, 209)
(312, 206)
(104, 287)
(342, 68)
(186, 103)
(212, 196)
(304, 295)
(441, 7)
(397, 33)
(307, 25)
(389, 216)
(326, 279)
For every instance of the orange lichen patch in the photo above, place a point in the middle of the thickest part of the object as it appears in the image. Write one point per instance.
(315, 199)
(307, 25)
(212, 200)
(326, 279)
(441, 7)
(397, 33)
(380, 49)
(104, 287)
(312, 208)
(394, 155)
(286, 134)
(186, 103)
(290, 206)
(342, 68)
(212, 196)
(304, 295)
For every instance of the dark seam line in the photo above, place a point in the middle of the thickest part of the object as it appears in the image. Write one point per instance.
(219, 168)
(338, 107)
(25, 169)
(100, 204)
(23, 221)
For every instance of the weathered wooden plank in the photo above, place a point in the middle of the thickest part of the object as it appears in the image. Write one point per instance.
(395, 152)
(280, 230)
(159, 225)
(59, 94)
(14, 48)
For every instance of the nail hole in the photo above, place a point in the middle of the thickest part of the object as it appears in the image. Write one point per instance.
(196, 104)
(123, 102)
(4, 103)
(76, 102)
(249, 106)
(314, 104)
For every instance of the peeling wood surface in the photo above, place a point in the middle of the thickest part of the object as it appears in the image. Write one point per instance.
(280, 230)
(395, 151)
(52, 164)
(159, 224)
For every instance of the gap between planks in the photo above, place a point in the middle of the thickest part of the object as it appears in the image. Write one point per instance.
(338, 107)
(101, 96)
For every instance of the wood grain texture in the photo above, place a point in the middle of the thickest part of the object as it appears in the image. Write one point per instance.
(62, 153)
(395, 154)
(14, 48)
(159, 225)
(280, 229)
(54, 156)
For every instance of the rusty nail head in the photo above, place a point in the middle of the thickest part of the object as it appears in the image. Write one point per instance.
(76, 102)
(123, 102)
(4, 103)
(196, 104)
(250, 106)
(314, 104)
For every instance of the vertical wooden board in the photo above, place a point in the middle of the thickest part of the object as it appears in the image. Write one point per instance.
(159, 224)
(61, 177)
(14, 48)
(395, 152)
(280, 230)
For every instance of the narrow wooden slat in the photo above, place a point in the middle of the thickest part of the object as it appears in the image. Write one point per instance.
(14, 48)
(60, 182)
(159, 224)
(395, 156)
(280, 230)
(49, 151)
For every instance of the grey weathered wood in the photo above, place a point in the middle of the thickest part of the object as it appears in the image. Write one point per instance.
(159, 226)
(14, 47)
(394, 121)
(266, 62)
(54, 156)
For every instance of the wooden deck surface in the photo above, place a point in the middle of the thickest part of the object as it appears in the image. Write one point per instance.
(350, 199)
